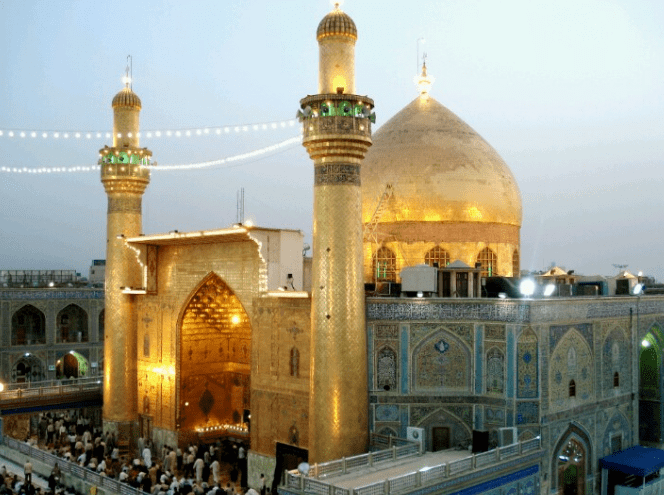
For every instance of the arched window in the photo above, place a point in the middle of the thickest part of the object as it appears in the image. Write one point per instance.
(73, 324)
(385, 265)
(489, 262)
(146, 345)
(387, 369)
(616, 379)
(495, 371)
(294, 362)
(437, 255)
(516, 262)
(572, 388)
(28, 326)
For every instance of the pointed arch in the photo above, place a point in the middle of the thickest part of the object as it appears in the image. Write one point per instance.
(28, 368)
(571, 363)
(388, 432)
(384, 265)
(437, 255)
(460, 432)
(617, 434)
(211, 387)
(28, 326)
(495, 371)
(575, 440)
(441, 361)
(72, 324)
(650, 385)
(386, 368)
(72, 365)
(616, 352)
(489, 261)
(527, 365)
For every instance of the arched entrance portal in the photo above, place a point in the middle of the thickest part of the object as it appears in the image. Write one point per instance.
(71, 365)
(28, 369)
(650, 387)
(571, 469)
(215, 359)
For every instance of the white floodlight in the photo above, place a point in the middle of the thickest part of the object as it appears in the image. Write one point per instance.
(549, 290)
(638, 289)
(527, 287)
(645, 343)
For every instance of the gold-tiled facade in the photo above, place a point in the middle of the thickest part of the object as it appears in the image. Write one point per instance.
(280, 373)
(183, 353)
(449, 189)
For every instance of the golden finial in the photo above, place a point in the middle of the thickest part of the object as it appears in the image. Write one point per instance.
(424, 81)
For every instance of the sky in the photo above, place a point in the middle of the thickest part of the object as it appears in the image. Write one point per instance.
(569, 93)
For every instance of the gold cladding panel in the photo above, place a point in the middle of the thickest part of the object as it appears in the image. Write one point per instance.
(180, 271)
(125, 121)
(122, 269)
(336, 65)
(279, 397)
(339, 405)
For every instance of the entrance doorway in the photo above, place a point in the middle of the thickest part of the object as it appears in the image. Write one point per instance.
(650, 388)
(440, 436)
(288, 457)
(571, 469)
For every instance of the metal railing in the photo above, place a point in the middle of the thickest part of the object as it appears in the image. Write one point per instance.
(359, 462)
(33, 390)
(406, 482)
(110, 485)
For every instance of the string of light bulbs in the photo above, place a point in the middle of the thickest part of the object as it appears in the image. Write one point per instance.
(158, 133)
(158, 168)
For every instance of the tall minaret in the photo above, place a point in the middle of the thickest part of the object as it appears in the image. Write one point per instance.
(125, 176)
(337, 134)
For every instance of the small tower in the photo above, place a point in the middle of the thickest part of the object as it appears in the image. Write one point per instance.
(337, 134)
(125, 176)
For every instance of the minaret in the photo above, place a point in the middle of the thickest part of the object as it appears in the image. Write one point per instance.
(337, 134)
(125, 176)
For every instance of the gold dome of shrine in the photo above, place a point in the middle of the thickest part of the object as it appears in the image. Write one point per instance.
(450, 190)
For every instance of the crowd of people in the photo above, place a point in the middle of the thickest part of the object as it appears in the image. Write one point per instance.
(219, 468)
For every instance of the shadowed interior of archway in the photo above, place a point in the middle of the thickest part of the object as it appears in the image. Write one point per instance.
(215, 358)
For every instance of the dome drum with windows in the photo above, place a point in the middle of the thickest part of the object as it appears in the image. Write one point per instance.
(434, 191)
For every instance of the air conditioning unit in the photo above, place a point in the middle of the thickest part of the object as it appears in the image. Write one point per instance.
(507, 436)
(415, 434)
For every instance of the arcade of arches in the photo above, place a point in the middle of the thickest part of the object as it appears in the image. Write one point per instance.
(215, 358)
(386, 264)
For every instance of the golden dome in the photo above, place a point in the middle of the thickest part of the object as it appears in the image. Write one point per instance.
(126, 98)
(336, 23)
(440, 169)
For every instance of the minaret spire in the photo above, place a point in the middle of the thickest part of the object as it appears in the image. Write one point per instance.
(125, 175)
(337, 134)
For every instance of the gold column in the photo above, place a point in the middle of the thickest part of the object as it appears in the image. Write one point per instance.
(338, 412)
(125, 177)
(337, 134)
